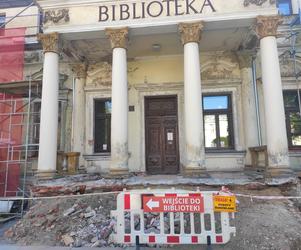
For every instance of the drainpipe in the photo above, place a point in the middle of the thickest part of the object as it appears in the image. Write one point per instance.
(254, 79)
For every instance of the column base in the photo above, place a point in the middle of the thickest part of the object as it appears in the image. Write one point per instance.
(279, 176)
(279, 172)
(44, 175)
(119, 173)
(192, 171)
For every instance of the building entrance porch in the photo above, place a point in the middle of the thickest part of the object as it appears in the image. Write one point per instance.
(147, 138)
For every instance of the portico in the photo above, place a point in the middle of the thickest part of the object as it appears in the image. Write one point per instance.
(117, 67)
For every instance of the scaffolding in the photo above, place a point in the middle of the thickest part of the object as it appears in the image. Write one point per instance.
(19, 124)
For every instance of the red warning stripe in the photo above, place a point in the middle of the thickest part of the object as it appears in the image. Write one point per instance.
(219, 239)
(127, 238)
(171, 195)
(195, 194)
(194, 239)
(127, 201)
(152, 239)
(173, 239)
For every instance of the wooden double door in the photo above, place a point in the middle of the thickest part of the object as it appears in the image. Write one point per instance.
(161, 133)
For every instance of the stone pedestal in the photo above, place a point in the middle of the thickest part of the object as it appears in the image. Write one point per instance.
(72, 162)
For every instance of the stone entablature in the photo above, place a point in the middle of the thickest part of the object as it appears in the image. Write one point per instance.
(102, 14)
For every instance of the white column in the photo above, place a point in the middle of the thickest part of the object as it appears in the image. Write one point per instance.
(248, 103)
(78, 130)
(49, 108)
(296, 4)
(119, 117)
(195, 151)
(273, 98)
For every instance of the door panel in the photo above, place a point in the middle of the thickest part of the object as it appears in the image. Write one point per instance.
(170, 142)
(161, 125)
(153, 136)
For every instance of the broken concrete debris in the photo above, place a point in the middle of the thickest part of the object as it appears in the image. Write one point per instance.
(84, 222)
(72, 223)
(70, 210)
(67, 239)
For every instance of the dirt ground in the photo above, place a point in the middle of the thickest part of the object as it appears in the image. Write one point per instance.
(260, 224)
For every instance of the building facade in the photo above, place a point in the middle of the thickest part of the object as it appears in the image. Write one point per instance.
(169, 86)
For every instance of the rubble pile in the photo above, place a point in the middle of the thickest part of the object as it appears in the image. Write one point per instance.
(72, 222)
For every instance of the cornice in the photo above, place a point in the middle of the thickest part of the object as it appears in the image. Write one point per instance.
(53, 4)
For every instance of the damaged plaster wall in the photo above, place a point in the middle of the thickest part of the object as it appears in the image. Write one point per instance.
(163, 75)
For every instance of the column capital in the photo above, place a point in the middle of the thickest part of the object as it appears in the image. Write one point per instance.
(190, 32)
(118, 37)
(267, 25)
(50, 42)
(80, 70)
(244, 59)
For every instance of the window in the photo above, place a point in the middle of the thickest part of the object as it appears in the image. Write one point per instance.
(2, 24)
(2, 20)
(292, 118)
(284, 7)
(218, 121)
(102, 126)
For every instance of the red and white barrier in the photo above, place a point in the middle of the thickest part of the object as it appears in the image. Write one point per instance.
(183, 217)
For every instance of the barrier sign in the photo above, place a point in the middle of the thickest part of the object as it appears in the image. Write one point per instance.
(161, 204)
(224, 203)
(184, 204)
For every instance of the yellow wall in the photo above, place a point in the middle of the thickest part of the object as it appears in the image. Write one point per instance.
(156, 70)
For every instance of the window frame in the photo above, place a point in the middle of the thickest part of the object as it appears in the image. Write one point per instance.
(217, 113)
(103, 116)
(290, 7)
(288, 111)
